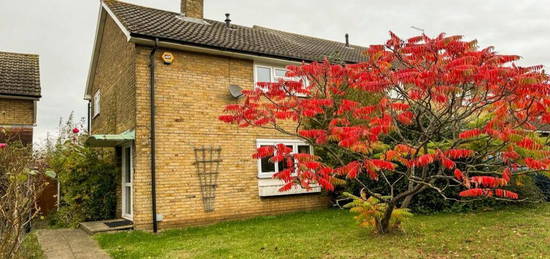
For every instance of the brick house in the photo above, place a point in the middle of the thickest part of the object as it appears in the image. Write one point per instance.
(157, 83)
(19, 94)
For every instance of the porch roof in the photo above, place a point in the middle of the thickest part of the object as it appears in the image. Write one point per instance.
(110, 140)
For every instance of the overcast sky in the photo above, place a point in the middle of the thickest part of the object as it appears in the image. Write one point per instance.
(62, 32)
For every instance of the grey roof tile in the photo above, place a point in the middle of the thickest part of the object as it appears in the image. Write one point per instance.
(19, 74)
(152, 23)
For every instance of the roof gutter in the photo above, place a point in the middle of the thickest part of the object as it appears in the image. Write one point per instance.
(153, 135)
(19, 97)
(147, 41)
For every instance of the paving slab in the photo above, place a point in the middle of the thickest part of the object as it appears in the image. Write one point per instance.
(69, 244)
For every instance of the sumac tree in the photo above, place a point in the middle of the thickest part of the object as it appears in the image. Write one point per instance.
(450, 114)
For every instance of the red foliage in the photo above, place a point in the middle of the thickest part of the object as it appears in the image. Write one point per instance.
(506, 194)
(470, 133)
(424, 160)
(476, 192)
(458, 174)
(459, 153)
(528, 144)
(487, 181)
(262, 152)
(442, 79)
(448, 163)
(535, 164)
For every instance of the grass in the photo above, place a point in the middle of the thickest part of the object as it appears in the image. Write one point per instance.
(514, 232)
(30, 249)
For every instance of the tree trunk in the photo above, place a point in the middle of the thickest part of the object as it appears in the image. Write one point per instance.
(384, 226)
(407, 201)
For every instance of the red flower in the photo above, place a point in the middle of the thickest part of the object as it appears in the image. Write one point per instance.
(76, 130)
(3, 145)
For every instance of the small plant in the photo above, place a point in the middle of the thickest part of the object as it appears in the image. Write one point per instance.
(371, 212)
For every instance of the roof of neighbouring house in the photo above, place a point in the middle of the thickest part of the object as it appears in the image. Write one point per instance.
(19, 75)
(170, 26)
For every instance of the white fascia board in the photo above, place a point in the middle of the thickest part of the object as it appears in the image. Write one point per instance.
(102, 17)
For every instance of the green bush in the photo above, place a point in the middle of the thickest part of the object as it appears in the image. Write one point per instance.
(88, 184)
(87, 177)
(543, 182)
(431, 201)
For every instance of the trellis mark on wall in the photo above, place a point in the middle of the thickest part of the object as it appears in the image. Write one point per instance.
(207, 162)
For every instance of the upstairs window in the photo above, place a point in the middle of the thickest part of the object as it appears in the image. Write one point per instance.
(271, 74)
(97, 103)
(266, 169)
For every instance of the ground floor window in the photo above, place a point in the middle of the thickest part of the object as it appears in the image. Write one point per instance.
(266, 169)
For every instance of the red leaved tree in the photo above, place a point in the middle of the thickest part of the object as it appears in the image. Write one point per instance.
(450, 114)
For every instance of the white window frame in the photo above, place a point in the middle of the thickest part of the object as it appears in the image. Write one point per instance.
(127, 182)
(96, 104)
(272, 142)
(274, 78)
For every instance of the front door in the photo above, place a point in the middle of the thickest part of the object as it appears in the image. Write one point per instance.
(127, 180)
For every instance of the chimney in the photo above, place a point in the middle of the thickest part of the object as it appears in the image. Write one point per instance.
(347, 40)
(193, 8)
(227, 20)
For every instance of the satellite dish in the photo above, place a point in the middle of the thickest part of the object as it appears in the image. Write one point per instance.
(235, 91)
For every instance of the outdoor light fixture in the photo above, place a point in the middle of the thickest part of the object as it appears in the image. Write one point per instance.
(168, 58)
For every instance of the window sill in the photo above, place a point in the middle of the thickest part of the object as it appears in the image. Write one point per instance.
(270, 188)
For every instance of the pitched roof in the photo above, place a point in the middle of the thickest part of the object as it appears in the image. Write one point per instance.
(170, 26)
(19, 74)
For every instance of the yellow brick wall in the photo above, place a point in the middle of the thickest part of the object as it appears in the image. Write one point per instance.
(115, 78)
(191, 94)
(16, 112)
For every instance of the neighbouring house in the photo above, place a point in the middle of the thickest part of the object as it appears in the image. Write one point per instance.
(158, 82)
(19, 94)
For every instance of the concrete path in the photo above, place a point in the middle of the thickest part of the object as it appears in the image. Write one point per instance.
(69, 244)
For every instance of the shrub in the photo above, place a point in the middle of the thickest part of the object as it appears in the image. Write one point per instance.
(543, 182)
(431, 201)
(370, 212)
(88, 184)
(87, 176)
(19, 190)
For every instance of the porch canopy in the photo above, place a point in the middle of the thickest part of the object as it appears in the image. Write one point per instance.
(110, 140)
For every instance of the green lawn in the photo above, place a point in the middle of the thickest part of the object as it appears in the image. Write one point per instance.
(515, 232)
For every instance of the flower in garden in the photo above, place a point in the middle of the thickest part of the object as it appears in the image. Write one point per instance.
(76, 130)
(3, 145)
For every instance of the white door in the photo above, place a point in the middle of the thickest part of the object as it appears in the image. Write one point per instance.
(127, 179)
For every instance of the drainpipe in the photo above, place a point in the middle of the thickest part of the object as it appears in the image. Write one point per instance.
(152, 138)
(89, 117)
